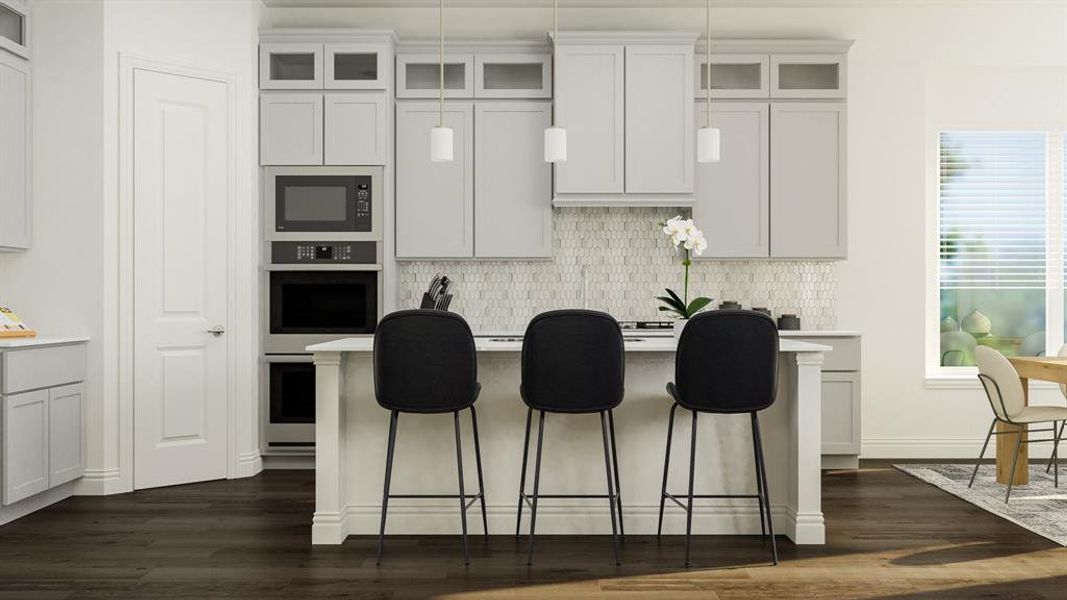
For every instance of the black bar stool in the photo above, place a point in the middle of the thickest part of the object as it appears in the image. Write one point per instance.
(727, 363)
(425, 362)
(572, 362)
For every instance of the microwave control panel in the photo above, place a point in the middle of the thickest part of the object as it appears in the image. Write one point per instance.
(323, 253)
(362, 199)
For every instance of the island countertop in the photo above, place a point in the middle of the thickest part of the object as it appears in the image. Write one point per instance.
(502, 343)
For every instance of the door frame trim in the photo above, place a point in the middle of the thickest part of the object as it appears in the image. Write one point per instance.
(128, 66)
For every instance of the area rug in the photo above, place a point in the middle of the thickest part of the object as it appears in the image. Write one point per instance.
(1037, 506)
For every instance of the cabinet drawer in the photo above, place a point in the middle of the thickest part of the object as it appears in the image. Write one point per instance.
(846, 354)
(35, 368)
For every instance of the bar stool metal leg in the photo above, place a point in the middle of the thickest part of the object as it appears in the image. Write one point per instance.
(537, 481)
(612, 499)
(462, 496)
(522, 477)
(615, 469)
(978, 463)
(766, 492)
(759, 483)
(666, 465)
(478, 462)
(689, 504)
(388, 475)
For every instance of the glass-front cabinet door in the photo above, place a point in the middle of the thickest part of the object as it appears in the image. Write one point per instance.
(290, 66)
(14, 29)
(355, 67)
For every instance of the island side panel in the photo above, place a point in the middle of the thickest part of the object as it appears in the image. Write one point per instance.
(806, 426)
(328, 523)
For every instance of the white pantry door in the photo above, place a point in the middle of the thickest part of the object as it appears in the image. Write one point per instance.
(180, 128)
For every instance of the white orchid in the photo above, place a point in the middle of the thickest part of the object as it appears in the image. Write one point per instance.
(684, 236)
(696, 242)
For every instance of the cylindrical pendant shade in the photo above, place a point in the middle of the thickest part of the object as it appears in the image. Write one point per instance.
(555, 144)
(441, 144)
(708, 145)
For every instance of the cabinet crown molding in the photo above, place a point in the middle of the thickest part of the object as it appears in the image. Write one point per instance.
(477, 46)
(328, 35)
(774, 46)
(627, 37)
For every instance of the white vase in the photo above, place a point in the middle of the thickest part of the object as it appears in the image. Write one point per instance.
(679, 325)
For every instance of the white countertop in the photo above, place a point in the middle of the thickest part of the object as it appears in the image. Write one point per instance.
(12, 343)
(486, 343)
(786, 333)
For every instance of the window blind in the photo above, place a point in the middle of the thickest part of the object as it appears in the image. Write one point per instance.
(992, 210)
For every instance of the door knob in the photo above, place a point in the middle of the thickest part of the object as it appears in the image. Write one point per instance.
(217, 330)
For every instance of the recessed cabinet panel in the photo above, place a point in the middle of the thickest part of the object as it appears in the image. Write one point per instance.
(590, 106)
(25, 445)
(419, 76)
(734, 76)
(15, 198)
(513, 76)
(659, 119)
(808, 203)
(434, 200)
(840, 413)
(808, 76)
(288, 65)
(66, 439)
(291, 128)
(732, 196)
(356, 130)
(13, 30)
(513, 183)
(355, 66)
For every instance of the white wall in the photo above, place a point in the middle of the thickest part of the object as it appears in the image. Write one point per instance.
(899, 47)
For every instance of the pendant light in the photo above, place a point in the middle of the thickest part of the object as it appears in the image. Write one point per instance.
(555, 136)
(441, 136)
(708, 137)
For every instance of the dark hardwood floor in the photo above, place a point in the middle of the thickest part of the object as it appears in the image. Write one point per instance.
(889, 536)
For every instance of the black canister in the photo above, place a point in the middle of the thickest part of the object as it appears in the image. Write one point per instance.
(788, 322)
(760, 309)
(729, 305)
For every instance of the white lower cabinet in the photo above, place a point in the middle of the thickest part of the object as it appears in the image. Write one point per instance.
(493, 200)
(841, 399)
(42, 410)
(25, 447)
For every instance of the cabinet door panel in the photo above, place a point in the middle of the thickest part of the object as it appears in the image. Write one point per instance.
(513, 183)
(25, 445)
(290, 129)
(659, 119)
(589, 104)
(357, 129)
(66, 439)
(808, 202)
(434, 200)
(290, 66)
(15, 207)
(355, 67)
(732, 198)
(419, 76)
(840, 413)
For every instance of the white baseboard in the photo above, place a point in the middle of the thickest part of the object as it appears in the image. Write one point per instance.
(891, 448)
(249, 464)
(406, 519)
(100, 482)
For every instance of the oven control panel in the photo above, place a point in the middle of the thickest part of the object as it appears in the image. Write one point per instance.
(323, 253)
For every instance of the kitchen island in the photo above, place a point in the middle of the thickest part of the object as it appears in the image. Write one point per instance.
(351, 432)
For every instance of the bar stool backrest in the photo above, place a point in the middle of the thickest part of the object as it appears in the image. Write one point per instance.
(727, 362)
(1002, 385)
(424, 362)
(573, 362)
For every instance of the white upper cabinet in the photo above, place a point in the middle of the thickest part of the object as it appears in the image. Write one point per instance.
(732, 197)
(434, 200)
(14, 27)
(734, 76)
(291, 65)
(512, 182)
(808, 76)
(357, 128)
(290, 129)
(419, 75)
(659, 119)
(808, 208)
(590, 104)
(513, 75)
(355, 67)
(15, 196)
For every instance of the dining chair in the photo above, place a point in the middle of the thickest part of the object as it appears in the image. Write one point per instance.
(1059, 436)
(1004, 390)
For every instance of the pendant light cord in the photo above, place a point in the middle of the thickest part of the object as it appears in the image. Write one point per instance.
(707, 66)
(441, 36)
(555, 54)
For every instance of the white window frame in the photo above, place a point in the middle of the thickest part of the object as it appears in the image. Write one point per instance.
(967, 377)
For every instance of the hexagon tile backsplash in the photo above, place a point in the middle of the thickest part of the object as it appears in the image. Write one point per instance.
(618, 260)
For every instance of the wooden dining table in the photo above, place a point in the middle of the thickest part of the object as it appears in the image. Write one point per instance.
(1029, 367)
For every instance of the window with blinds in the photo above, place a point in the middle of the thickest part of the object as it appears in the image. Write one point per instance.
(992, 210)
(993, 229)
